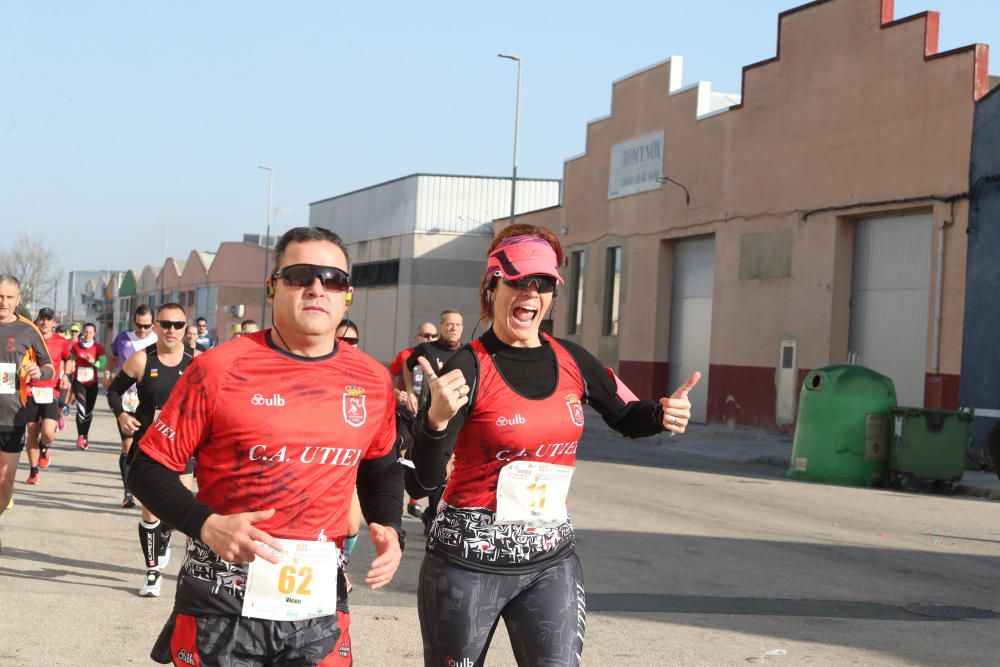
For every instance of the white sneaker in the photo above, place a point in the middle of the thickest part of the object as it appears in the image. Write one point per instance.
(163, 558)
(151, 587)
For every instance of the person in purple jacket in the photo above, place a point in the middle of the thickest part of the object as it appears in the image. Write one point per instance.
(124, 345)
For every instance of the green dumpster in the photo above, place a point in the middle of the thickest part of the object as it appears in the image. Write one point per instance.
(928, 445)
(841, 436)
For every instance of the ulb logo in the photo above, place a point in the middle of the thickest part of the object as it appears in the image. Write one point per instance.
(275, 401)
(516, 420)
(575, 409)
(355, 412)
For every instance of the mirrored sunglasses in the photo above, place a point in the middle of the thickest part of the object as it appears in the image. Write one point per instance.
(304, 275)
(544, 284)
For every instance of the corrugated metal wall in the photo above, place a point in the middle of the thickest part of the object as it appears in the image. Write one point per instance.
(459, 204)
(890, 300)
(429, 203)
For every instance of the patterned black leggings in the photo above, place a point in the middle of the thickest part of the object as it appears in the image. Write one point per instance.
(86, 399)
(545, 613)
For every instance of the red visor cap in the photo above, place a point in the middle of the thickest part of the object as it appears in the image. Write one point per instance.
(521, 256)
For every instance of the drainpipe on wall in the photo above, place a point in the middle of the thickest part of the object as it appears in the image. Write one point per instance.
(938, 299)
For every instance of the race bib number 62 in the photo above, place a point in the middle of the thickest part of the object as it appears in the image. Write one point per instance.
(302, 585)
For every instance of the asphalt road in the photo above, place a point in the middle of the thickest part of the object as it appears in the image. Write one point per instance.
(688, 560)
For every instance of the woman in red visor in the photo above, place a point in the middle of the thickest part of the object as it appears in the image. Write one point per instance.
(510, 407)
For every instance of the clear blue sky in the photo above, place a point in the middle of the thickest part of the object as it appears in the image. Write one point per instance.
(116, 117)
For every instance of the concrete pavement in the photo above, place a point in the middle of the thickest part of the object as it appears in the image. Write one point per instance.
(695, 554)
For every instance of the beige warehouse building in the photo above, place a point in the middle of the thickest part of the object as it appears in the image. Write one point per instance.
(418, 246)
(817, 217)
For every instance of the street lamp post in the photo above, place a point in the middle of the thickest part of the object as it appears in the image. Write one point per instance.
(517, 118)
(267, 240)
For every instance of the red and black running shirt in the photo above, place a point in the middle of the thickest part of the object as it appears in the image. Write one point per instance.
(269, 430)
(505, 426)
(59, 350)
(86, 357)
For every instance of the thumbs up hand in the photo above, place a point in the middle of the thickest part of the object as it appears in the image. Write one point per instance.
(677, 408)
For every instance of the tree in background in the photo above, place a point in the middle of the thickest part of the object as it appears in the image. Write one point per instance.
(33, 263)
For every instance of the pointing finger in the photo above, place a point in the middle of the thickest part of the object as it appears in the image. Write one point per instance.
(687, 386)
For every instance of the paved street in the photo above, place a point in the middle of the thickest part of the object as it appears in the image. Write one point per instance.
(690, 559)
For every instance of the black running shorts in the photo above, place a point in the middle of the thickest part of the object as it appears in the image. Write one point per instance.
(36, 412)
(12, 440)
(238, 641)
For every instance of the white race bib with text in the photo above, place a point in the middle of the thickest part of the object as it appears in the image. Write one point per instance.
(84, 373)
(42, 395)
(533, 493)
(302, 585)
(8, 378)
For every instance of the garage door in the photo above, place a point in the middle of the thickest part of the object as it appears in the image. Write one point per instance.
(890, 298)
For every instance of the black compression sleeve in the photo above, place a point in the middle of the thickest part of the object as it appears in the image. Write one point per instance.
(380, 490)
(161, 492)
(118, 387)
(432, 449)
(636, 419)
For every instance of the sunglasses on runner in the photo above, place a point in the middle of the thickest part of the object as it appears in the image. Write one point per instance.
(544, 284)
(350, 340)
(167, 324)
(304, 275)
(427, 336)
(142, 326)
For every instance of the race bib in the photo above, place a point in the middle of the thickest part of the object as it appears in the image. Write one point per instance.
(42, 395)
(533, 493)
(84, 373)
(130, 401)
(8, 378)
(302, 585)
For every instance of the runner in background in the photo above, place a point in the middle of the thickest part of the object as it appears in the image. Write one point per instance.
(66, 395)
(23, 358)
(437, 352)
(88, 359)
(43, 412)
(426, 332)
(248, 327)
(191, 340)
(204, 339)
(125, 344)
(154, 370)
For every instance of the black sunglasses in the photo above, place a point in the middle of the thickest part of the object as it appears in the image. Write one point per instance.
(427, 336)
(142, 326)
(304, 275)
(543, 283)
(350, 340)
(167, 324)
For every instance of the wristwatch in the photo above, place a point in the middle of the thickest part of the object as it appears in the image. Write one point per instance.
(402, 537)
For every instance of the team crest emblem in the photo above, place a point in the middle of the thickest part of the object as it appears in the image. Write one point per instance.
(354, 406)
(575, 409)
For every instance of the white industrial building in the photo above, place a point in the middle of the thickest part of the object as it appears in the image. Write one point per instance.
(418, 246)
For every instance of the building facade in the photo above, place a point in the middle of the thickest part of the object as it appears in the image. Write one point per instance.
(980, 354)
(818, 217)
(418, 245)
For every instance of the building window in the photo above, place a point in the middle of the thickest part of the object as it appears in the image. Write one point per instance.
(576, 267)
(612, 290)
(375, 274)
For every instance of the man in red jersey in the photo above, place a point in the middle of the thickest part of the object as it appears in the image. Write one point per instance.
(43, 398)
(282, 423)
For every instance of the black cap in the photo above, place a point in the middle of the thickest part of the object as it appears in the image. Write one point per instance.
(46, 313)
(61, 328)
